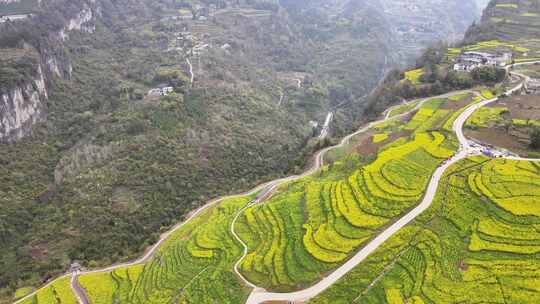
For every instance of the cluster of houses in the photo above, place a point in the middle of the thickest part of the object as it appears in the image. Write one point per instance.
(161, 90)
(532, 86)
(13, 18)
(186, 41)
(468, 61)
(198, 12)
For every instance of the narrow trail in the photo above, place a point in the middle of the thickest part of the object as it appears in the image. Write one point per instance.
(192, 76)
(260, 295)
(281, 96)
(326, 126)
(78, 290)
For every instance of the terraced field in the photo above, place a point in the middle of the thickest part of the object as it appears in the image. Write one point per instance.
(195, 265)
(59, 292)
(479, 242)
(312, 225)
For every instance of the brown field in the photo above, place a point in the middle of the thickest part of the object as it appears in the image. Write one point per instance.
(521, 106)
(456, 105)
(498, 137)
(513, 138)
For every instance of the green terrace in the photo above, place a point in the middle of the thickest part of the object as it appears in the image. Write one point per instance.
(307, 228)
(478, 241)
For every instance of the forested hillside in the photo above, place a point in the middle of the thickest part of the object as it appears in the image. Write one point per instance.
(507, 20)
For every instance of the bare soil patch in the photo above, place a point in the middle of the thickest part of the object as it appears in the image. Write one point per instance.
(521, 106)
(456, 105)
(500, 138)
(367, 147)
(39, 251)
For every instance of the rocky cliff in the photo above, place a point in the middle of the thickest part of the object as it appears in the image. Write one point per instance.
(21, 107)
(24, 94)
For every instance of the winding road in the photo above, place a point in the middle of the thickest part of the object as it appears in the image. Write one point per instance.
(259, 295)
(191, 75)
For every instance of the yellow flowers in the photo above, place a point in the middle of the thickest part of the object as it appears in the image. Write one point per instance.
(377, 138)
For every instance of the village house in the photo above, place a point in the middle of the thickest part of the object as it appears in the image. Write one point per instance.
(468, 61)
(532, 86)
(160, 91)
(13, 18)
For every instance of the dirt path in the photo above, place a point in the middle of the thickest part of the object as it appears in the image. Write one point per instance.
(192, 75)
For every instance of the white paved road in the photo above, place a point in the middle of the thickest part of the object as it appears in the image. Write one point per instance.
(259, 295)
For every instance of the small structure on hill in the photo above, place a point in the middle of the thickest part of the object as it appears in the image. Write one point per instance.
(162, 90)
(468, 61)
(74, 267)
(12, 18)
(532, 86)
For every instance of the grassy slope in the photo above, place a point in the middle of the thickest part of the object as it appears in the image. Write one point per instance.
(59, 292)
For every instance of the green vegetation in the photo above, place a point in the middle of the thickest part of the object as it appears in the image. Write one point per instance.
(486, 117)
(58, 292)
(111, 169)
(487, 94)
(377, 138)
(515, 21)
(534, 135)
(525, 122)
(23, 291)
(16, 67)
(507, 5)
(477, 241)
(193, 266)
(414, 75)
(403, 108)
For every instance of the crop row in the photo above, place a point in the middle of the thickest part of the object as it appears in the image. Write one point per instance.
(192, 266)
(58, 292)
(465, 249)
(306, 229)
(313, 224)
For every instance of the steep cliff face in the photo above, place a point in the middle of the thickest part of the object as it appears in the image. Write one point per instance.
(21, 107)
(23, 102)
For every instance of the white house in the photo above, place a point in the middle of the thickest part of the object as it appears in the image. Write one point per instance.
(167, 90)
(532, 86)
(468, 61)
(164, 91)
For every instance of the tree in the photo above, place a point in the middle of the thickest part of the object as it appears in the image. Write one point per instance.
(534, 136)
(488, 74)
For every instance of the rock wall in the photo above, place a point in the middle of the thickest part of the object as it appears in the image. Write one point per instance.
(24, 105)
(21, 107)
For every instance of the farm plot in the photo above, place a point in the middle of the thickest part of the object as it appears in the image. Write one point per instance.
(486, 117)
(58, 292)
(403, 108)
(311, 226)
(192, 266)
(507, 123)
(479, 240)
